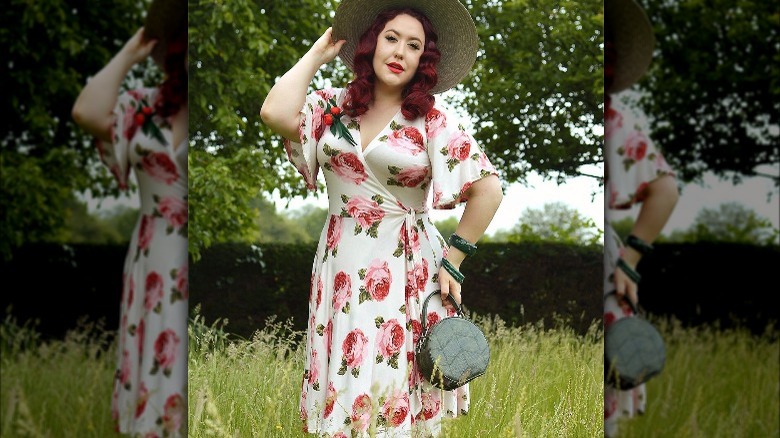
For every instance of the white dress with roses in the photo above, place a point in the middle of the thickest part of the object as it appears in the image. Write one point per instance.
(633, 161)
(149, 398)
(378, 258)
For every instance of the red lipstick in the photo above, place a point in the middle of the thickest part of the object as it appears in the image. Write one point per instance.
(395, 67)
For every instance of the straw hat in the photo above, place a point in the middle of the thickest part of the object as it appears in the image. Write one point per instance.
(164, 20)
(457, 34)
(633, 38)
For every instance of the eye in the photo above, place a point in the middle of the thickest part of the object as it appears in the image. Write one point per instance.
(391, 38)
(415, 46)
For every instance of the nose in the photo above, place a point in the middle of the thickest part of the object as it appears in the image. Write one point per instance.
(399, 51)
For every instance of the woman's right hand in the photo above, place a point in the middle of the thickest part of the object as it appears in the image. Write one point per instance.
(324, 49)
(136, 49)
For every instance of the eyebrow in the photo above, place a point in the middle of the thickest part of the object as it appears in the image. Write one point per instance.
(399, 34)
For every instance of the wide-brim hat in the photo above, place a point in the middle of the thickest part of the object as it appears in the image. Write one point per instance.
(457, 34)
(633, 39)
(165, 19)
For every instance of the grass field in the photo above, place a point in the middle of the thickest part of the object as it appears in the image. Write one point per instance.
(541, 382)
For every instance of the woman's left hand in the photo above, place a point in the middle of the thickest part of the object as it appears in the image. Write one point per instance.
(448, 286)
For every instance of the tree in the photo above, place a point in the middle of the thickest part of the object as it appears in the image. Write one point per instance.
(310, 219)
(447, 227)
(712, 92)
(52, 47)
(536, 91)
(237, 51)
(555, 222)
(731, 222)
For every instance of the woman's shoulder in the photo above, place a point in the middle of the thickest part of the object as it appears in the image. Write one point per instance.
(327, 94)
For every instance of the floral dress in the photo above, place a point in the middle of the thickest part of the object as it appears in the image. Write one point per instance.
(150, 383)
(633, 161)
(378, 258)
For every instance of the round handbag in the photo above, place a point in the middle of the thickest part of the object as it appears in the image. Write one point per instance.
(453, 351)
(634, 351)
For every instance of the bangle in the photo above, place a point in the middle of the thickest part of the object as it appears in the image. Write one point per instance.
(639, 245)
(632, 274)
(463, 245)
(457, 275)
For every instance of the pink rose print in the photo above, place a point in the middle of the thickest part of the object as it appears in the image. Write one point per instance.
(390, 338)
(124, 370)
(330, 400)
(437, 194)
(641, 192)
(432, 319)
(151, 435)
(342, 291)
(413, 245)
(154, 291)
(129, 123)
(609, 318)
(340, 435)
(416, 279)
(145, 232)
(459, 146)
(613, 121)
(140, 332)
(348, 167)
(334, 233)
(182, 282)
(314, 370)
(396, 408)
(635, 146)
(431, 405)
(174, 210)
(365, 212)
(361, 413)
(143, 396)
(123, 329)
(317, 127)
(435, 122)
(407, 140)
(320, 286)
(130, 291)
(165, 350)
(328, 333)
(412, 176)
(160, 167)
(326, 93)
(355, 348)
(416, 330)
(378, 280)
(462, 196)
(174, 413)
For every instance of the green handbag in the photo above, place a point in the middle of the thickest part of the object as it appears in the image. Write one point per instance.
(452, 352)
(634, 351)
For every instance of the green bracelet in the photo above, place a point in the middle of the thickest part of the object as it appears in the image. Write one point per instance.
(639, 245)
(463, 245)
(457, 275)
(632, 274)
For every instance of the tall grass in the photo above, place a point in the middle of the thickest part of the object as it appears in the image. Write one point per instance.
(540, 383)
(715, 383)
(57, 388)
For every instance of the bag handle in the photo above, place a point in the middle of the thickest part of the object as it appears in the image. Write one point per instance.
(634, 307)
(424, 316)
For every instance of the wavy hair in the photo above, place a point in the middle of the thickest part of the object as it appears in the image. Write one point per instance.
(417, 97)
(173, 90)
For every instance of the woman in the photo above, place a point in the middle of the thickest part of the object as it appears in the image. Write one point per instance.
(636, 174)
(146, 129)
(383, 144)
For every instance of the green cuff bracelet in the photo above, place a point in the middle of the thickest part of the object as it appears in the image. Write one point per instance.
(639, 245)
(632, 274)
(453, 271)
(463, 245)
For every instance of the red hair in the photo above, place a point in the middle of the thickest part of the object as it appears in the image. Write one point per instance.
(173, 90)
(417, 97)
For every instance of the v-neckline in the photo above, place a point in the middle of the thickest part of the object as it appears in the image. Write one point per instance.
(367, 147)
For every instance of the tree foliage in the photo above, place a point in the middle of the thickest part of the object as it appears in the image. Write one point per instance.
(536, 92)
(237, 51)
(554, 222)
(50, 48)
(713, 89)
(731, 222)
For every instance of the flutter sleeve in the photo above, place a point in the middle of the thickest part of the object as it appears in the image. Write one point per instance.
(633, 160)
(456, 159)
(303, 153)
(115, 155)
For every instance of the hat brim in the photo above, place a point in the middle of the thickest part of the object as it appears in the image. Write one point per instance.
(455, 29)
(634, 41)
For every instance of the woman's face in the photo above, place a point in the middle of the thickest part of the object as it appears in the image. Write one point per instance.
(398, 50)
